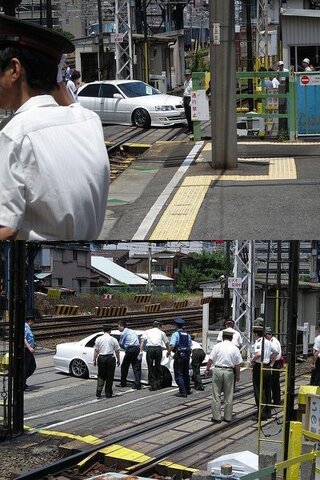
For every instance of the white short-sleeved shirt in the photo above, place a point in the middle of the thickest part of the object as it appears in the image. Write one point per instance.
(106, 344)
(316, 346)
(267, 352)
(225, 354)
(54, 172)
(277, 345)
(155, 337)
(236, 339)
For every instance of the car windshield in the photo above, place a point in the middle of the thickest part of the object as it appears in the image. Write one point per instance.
(137, 89)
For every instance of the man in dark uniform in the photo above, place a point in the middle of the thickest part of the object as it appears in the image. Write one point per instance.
(180, 344)
(29, 347)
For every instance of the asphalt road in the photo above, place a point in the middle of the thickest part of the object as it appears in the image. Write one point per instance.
(57, 402)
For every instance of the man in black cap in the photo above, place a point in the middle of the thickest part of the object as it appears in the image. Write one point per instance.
(180, 344)
(54, 166)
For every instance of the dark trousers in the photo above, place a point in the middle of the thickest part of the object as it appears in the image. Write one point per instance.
(106, 368)
(29, 364)
(154, 357)
(187, 109)
(181, 372)
(197, 358)
(275, 383)
(266, 392)
(131, 358)
(315, 374)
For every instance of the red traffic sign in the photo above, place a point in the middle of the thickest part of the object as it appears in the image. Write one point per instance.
(305, 80)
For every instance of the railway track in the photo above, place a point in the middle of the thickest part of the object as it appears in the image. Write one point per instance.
(61, 326)
(117, 137)
(183, 436)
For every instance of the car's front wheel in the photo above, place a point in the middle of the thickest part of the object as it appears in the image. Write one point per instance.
(79, 369)
(141, 118)
(166, 377)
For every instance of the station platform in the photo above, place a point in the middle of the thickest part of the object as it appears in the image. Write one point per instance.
(172, 192)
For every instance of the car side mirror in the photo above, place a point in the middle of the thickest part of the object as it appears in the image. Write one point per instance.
(117, 95)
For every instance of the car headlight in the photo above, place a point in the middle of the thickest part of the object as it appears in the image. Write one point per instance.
(164, 108)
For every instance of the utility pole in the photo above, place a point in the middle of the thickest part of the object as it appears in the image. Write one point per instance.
(292, 335)
(149, 269)
(223, 84)
(49, 14)
(101, 52)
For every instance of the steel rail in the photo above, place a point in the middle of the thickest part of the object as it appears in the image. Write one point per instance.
(152, 425)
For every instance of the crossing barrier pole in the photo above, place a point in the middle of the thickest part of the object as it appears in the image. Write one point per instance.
(294, 449)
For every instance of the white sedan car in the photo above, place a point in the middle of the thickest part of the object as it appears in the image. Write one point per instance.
(131, 102)
(76, 358)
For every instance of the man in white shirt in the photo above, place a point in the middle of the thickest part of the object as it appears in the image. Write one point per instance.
(187, 90)
(226, 359)
(275, 366)
(54, 166)
(236, 338)
(263, 352)
(106, 351)
(315, 366)
(155, 340)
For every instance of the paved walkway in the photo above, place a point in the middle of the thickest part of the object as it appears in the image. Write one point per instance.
(173, 193)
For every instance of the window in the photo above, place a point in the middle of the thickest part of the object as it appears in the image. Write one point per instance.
(75, 255)
(59, 281)
(90, 90)
(107, 90)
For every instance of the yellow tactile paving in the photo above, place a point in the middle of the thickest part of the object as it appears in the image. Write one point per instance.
(179, 217)
(177, 221)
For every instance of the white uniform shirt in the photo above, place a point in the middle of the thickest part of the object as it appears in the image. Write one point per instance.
(225, 354)
(54, 172)
(195, 345)
(106, 344)
(236, 339)
(267, 352)
(316, 346)
(187, 88)
(277, 346)
(155, 337)
(72, 90)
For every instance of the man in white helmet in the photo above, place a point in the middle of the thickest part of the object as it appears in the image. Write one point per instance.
(306, 65)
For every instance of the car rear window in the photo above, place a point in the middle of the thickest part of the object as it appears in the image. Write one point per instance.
(89, 91)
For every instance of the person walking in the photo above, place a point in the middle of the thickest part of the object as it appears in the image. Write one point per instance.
(265, 353)
(29, 348)
(106, 351)
(225, 357)
(197, 357)
(187, 90)
(275, 366)
(129, 341)
(155, 340)
(54, 165)
(315, 366)
(180, 344)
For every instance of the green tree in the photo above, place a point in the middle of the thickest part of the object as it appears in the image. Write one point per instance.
(66, 34)
(205, 267)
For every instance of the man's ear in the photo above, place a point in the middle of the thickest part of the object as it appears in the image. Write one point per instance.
(14, 69)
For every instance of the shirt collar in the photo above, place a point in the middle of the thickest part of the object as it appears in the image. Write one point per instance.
(38, 101)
